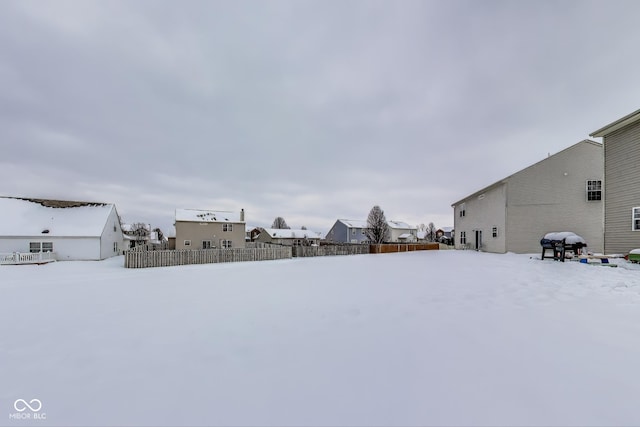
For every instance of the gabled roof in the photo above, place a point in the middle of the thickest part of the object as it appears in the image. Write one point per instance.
(504, 180)
(26, 217)
(618, 124)
(199, 215)
(287, 233)
(351, 223)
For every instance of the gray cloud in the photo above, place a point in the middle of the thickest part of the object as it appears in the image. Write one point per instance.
(306, 110)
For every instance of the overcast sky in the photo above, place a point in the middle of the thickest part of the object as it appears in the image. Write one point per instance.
(309, 110)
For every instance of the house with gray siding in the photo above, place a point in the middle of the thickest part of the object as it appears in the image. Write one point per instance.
(621, 140)
(560, 193)
(348, 231)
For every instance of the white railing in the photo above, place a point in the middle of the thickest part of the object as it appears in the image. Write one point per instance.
(27, 258)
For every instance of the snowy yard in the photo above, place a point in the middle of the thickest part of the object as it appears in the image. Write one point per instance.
(421, 338)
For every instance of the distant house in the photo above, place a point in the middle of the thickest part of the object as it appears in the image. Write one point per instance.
(401, 232)
(560, 193)
(621, 140)
(288, 237)
(348, 231)
(206, 229)
(445, 232)
(71, 230)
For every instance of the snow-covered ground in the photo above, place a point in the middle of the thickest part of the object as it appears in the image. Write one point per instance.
(421, 338)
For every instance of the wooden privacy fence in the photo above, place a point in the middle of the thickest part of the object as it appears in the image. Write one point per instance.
(330, 250)
(403, 247)
(144, 259)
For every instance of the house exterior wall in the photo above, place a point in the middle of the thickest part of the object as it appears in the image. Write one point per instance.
(197, 232)
(355, 235)
(547, 196)
(266, 238)
(341, 233)
(111, 235)
(65, 248)
(621, 188)
(395, 233)
(482, 212)
(338, 233)
(551, 196)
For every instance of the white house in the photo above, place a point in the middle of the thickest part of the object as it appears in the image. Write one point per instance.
(402, 232)
(560, 193)
(71, 230)
(288, 237)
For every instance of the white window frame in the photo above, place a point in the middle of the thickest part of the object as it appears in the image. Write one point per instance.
(594, 187)
(635, 218)
(494, 231)
(226, 244)
(206, 244)
(187, 242)
(115, 247)
(227, 227)
(463, 237)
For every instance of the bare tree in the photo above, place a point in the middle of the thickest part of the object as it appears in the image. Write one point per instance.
(159, 233)
(280, 223)
(430, 234)
(377, 228)
(140, 230)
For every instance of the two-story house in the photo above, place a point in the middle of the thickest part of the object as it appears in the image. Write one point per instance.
(206, 229)
(560, 193)
(621, 140)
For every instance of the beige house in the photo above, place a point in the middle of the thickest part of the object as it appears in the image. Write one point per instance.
(621, 140)
(560, 193)
(288, 237)
(205, 229)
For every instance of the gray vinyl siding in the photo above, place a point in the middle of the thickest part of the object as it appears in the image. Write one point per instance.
(551, 196)
(621, 188)
(483, 211)
(547, 196)
(338, 233)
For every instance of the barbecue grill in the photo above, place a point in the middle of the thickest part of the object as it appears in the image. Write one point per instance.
(560, 243)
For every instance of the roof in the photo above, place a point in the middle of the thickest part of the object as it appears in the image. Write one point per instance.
(23, 217)
(504, 180)
(199, 215)
(287, 233)
(400, 225)
(618, 124)
(354, 223)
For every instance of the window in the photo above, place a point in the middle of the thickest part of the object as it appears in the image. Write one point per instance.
(635, 219)
(35, 247)
(206, 244)
(463, 210)
(187, 242)
(115, 247)
(226, 244)
(463, 237)
(362, 231)
(353, 231)
(494, 231)
(594, 190)
(227, 227)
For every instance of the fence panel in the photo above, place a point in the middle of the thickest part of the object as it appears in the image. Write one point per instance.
(167, 258)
